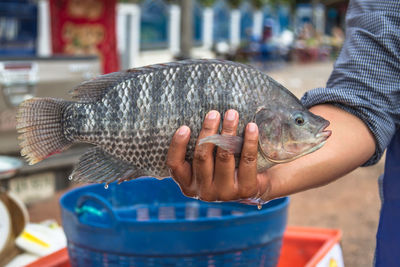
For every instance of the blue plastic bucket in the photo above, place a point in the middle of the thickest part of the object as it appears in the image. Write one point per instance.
(148, 222)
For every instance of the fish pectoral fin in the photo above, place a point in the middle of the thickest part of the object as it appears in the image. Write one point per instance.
(98, 166)
(230, 143)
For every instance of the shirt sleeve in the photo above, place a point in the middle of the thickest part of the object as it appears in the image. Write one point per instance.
(366, 76)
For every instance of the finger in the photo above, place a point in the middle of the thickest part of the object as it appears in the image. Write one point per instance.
(203, 160)
(224, 174)
(180, 169)
(247, 182)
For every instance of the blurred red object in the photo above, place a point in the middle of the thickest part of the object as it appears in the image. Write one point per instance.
(307, 55)
(85, 27)
(307, 247)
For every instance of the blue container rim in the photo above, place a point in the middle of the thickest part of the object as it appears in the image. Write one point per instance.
(280, 203)
(223, 218)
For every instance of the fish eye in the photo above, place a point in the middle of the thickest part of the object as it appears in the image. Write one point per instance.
(299, 119)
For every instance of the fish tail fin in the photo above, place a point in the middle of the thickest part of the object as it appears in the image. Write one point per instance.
(39, 123)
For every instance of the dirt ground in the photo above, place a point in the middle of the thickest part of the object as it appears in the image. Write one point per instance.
(350, 204)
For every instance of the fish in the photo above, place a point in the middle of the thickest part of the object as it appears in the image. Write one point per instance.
(130, 117)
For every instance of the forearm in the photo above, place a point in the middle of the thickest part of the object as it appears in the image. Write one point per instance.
(350, 145)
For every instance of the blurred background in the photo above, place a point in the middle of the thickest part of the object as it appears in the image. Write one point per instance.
(47, 47)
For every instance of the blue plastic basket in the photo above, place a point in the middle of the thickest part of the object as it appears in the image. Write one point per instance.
(148, 222)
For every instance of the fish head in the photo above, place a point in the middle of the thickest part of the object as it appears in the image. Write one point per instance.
(289, 132)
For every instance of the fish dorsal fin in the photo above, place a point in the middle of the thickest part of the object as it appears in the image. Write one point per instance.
(95, 89)
(98, 166)
(155, 67)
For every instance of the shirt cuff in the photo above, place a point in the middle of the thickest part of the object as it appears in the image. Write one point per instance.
(377, 121)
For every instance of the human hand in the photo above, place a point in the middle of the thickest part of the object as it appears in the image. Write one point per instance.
(212, 178)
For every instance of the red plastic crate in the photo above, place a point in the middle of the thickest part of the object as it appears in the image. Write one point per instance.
(306, 247)
(302, 247)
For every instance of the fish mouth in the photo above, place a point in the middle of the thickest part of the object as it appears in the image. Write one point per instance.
(324, 134)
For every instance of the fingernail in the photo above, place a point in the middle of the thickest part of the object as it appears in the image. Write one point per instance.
(183, 130)
(252, 128)
(212, 115)
(230, 115)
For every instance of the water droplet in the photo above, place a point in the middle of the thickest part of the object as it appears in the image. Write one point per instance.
(259, 206)
(106, 186)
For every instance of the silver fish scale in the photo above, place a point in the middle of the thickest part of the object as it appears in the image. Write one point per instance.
(135, 120)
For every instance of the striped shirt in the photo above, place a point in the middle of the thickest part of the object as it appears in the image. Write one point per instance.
(366, 76)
